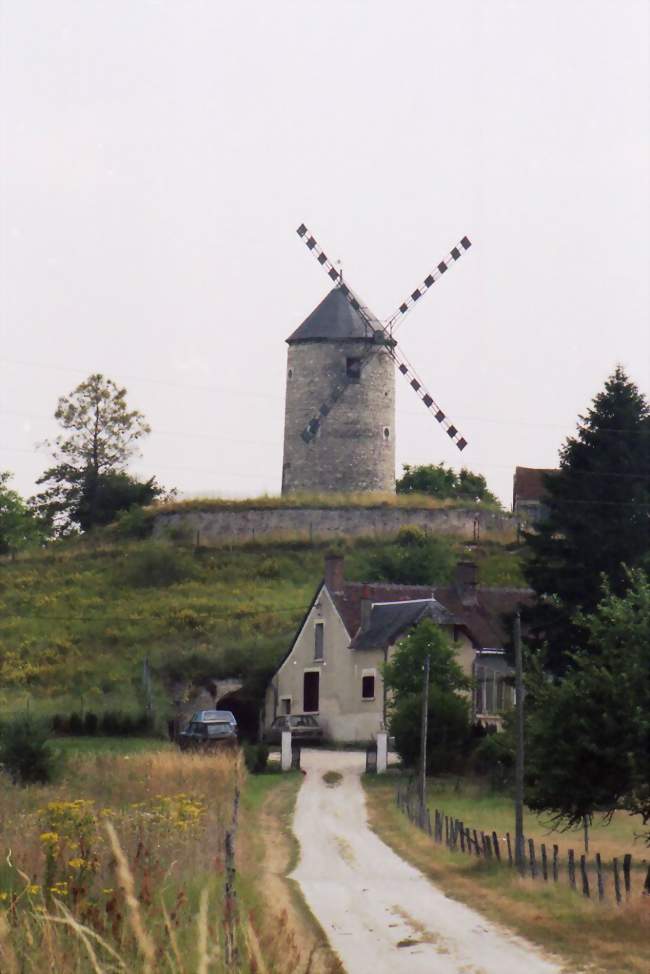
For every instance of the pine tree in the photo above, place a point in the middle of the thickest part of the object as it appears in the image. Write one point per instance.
(598, 518)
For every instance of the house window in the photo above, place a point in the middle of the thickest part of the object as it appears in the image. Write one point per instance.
(310, 691)
(368, 687)
(353, 368)
(319, 640)
(285, 705)
(493, 693)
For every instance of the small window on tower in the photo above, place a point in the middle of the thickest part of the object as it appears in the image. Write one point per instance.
(353, 368)
(386, 433)
(291, 373)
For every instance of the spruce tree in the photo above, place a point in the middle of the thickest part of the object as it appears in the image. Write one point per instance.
(598, 520)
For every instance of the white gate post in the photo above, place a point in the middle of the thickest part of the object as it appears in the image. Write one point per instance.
(382, 752)
(286, 751)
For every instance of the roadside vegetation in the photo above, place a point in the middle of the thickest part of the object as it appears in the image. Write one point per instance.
(588, 935)
(121, 864)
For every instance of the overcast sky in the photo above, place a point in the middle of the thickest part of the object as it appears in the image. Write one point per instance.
(157, 157)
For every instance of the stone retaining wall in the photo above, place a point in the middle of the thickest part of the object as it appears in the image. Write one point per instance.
(212, 527)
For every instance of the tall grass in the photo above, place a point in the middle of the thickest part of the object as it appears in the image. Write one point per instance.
(316, 500)
(119, 868)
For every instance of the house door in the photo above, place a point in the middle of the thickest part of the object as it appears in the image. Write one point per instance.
(310, 692)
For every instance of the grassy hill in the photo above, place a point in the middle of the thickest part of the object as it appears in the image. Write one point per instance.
(78, 619)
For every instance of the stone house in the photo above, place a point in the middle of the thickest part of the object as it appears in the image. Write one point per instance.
(529, 493)
(333, 667)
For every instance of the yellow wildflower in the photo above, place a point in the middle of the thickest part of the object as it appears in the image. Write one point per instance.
(76, 863)
(4, 896)
(33, 889)
(49, 838)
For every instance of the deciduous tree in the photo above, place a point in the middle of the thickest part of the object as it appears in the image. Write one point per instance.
(441, 481)
(88, 485)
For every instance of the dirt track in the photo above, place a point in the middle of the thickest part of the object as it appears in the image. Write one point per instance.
(381, 915)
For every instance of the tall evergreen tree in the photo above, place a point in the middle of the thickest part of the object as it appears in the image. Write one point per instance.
(598, 518)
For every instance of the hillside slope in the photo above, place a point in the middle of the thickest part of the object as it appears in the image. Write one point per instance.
(77, 620)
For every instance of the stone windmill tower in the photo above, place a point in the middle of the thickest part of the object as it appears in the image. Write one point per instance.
(341, 361)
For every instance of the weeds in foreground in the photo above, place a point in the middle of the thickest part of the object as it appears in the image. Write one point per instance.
(134, 876)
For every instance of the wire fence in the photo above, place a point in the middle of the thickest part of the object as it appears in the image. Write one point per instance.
(614, 880)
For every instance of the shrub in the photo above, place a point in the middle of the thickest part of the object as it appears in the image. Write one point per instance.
(134, 523)
(91, 722)
(156, 565)
(413, 559)
(25, 751)
(256, 757)
(75, 724)
(447, 730)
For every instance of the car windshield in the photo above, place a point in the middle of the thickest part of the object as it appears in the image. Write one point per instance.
(219, 728)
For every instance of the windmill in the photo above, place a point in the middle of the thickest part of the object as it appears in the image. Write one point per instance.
(339, 417)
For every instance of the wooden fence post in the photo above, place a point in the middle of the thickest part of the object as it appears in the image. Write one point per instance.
(509, 849)
(468, 841)
(646, 884)
(617, 881)
(446, 830)
(476, 845)
(627, 867)
(599, 877)
(495, 843)
(462, 837)
(533, 863)
(572, 869)
(544, 863)
(555, 863)
(585, 877)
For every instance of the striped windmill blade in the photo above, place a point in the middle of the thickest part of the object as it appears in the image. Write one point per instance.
(409, 374)
(441, 268)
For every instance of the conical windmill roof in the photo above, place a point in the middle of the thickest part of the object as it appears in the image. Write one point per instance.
(333, 320)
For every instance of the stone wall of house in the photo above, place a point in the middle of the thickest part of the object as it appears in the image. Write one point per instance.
(212, 527)
(354, 449)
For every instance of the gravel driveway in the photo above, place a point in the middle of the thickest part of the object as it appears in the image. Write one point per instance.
(380, 914)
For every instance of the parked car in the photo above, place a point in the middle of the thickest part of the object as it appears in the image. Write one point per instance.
(208, 734)
(215, 715)
(304, 729)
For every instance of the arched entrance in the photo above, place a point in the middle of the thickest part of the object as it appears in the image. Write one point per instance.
(246, 710)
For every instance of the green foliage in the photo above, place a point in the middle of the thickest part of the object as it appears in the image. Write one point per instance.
(598, 518)
(134, 523)
(158, 565)
(494, 755)
(448, 711)
(25, 751)
(588, 737)
(88, 486)
(20, 528)
(256, 757)
(447, 730)
(412, 559)
(440, 481)
(403, 673)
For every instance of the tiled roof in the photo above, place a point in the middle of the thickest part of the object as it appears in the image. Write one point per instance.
(348, 600)
(529, 483)
(389, 620)
(480, 610)
(483, 615)
(334, 319)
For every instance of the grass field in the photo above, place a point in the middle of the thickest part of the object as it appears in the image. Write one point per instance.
(76, 897)
(78, 619)
(599, 937)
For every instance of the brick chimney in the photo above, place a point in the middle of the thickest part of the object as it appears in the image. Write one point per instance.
(365, 606)
(334, 572)
(466, 581)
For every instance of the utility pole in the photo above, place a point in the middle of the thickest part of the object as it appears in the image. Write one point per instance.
(423, 746)
(520, 862)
